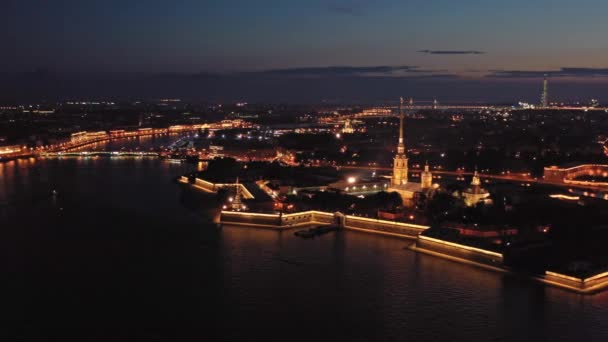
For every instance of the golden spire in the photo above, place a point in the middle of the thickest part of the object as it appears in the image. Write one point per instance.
(401, 146)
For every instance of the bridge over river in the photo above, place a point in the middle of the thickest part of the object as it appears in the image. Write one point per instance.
(137, 154)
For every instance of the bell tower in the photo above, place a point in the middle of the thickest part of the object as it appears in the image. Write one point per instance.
(426, 178)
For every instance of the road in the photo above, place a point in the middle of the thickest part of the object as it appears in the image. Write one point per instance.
(510, 177)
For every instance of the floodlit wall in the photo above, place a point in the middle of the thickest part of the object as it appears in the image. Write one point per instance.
(203, 184)
(459, 251)
(319, 217)
(595, 282)
(214, 187)
(250, 219)
(383, 226)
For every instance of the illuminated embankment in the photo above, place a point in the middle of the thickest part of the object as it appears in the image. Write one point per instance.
(591, 284)
(458, 251)
(453, 251)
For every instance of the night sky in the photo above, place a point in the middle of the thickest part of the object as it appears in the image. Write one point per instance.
(304, 51)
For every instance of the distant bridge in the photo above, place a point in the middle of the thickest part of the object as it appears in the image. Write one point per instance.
(393, 111)
(569, 175)
(100, 154)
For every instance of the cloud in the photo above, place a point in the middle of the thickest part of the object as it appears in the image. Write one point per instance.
(343, 9)
(347, 71)
(349, 7)
(562, 72)
(452, 52)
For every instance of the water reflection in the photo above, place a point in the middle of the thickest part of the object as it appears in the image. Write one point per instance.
(131, 250)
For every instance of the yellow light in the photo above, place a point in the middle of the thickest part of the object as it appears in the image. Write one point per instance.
(597, 276)
(473, 249)
(559, 275)
(351, 180)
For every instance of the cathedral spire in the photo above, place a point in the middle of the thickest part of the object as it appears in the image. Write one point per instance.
(400, 161)
(401, 146)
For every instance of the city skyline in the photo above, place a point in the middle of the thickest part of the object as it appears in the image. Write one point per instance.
(341, 170)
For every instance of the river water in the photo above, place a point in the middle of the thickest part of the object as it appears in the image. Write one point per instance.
(122, 252)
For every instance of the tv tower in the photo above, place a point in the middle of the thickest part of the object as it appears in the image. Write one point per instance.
(544, 97)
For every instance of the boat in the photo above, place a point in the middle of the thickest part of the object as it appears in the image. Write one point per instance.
(175, 160)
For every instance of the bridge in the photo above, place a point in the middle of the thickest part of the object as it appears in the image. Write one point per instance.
(569, 175)
(62, 154)
(82, 139)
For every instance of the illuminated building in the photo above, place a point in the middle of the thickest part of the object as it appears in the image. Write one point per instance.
(400, 162)
(11, 149)
(426, 178)
(399, 181)
(348, 127)
(475, 193)
(375, 112)
(237, 202)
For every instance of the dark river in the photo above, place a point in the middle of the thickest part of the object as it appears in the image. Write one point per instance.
(124, 253)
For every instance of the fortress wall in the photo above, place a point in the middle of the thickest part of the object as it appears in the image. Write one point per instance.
(384, 227)
(459, 251)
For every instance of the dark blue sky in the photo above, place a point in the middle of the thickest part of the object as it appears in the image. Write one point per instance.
(425, 41)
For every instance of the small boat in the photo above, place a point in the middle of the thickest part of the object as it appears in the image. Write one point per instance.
(175, 160)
